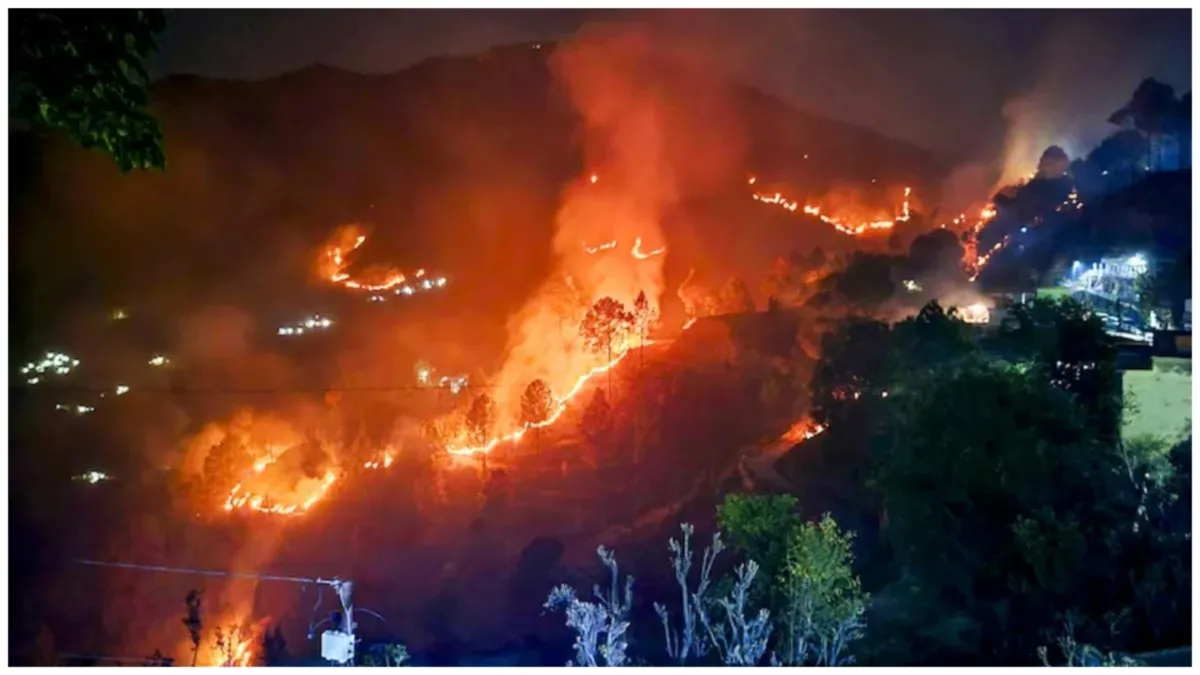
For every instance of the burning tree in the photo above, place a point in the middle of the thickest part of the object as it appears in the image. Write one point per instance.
(223, 466)
(481, 417)
(644, 317)
(537, 405)
(605, 328)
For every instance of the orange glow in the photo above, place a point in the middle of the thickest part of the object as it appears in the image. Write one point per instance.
(240, 499)
(973, 260)
(802, 431)
(640, 255)
(843, 224)
(560, 407)
(332, 264)
(606, 246)
(238, 652)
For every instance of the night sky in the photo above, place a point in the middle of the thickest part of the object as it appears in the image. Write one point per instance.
(938, 78)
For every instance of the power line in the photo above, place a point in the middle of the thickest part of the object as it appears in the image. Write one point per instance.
(201, 572)
(378, 389)
(114, 659)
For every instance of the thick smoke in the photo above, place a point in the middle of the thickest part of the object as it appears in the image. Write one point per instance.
(1081, 73)
(609, 75)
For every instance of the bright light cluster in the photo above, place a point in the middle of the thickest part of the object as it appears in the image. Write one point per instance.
(77, 409)
(53, 363)
(412, 289)
(92, 477)
(313, 323)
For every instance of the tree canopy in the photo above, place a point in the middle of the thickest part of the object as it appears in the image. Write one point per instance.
(80, 72)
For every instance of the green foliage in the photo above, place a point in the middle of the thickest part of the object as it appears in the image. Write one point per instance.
(806, 580)
(824, 600)
(1067, 345)
(1075, 655)
(856, 360)
(392, 655)
(80, 72)
(761, 527)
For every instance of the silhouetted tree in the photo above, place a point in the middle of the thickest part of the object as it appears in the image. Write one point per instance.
(537, 405)
(274, 647)
(80, 72)
(606, 327)
(192, 621)
(1053, 164)
(1152, 110)
(481, 418)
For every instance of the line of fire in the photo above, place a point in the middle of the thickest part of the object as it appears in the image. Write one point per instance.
(599, 350)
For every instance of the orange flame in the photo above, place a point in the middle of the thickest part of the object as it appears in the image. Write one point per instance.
(333, 263)
(640, 255)
(238, 499)
(560, 407)
(839, 224)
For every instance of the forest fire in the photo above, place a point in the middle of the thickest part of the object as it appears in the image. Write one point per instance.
(559, 407)
(803, 430)
(262, 503)
(332, 265)
(841, 224)
(973, 261)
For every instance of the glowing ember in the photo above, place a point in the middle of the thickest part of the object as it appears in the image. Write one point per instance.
(383, 462)
(560, 407)
(606, 246)
(802, 431)
(840, 224)
(977, 313)
(642, 255)
(973, 261)
(332, 264)
(239, 499)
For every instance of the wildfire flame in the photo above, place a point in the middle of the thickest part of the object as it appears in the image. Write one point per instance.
(332, 264)
(559, 408)
(803, 430)
(973, 261)
(840, 224)
(642, 255)
(239, 499)
(636, 252)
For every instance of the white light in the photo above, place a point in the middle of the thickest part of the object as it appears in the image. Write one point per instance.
(1024, 230)
(121, 389)
(159, 360)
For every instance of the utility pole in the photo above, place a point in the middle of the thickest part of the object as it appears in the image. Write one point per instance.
(337, 645)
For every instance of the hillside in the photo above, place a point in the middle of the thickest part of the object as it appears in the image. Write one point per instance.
(451, 150)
